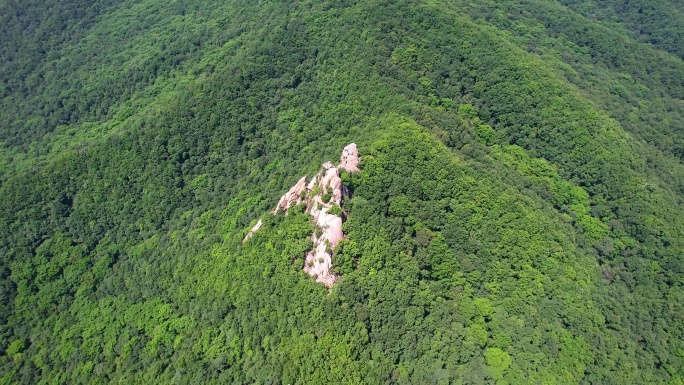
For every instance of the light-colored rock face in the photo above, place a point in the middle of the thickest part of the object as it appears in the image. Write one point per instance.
(312, 183)
(333, 225)
(319, 260)
(332, 184)
(292, 196)
(350, 158)
(252, 231)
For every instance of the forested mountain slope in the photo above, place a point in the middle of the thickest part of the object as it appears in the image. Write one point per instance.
(518, 217)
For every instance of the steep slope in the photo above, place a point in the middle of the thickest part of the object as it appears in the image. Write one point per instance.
(657, 23)
(517, 216)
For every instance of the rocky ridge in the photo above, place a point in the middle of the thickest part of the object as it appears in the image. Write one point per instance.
(322, 196)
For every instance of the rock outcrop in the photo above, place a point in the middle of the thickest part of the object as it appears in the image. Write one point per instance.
(322, 196)
(252, 231)
(350, 158)
(292, 196)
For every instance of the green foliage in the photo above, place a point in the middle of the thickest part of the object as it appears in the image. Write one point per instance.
(563, 194)
(345, 257)
(335, 209)
(17, 346)
(326, 197)
(497, 362)
(484, 133)
(517, 218)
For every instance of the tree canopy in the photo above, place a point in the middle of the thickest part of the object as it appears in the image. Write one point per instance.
(518, 217)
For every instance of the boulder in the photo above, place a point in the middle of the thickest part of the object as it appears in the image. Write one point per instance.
(350, 158)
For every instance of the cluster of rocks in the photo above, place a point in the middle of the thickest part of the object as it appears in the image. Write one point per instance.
(321, 194)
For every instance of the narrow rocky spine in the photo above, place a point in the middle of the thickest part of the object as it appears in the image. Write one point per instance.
(323, 192)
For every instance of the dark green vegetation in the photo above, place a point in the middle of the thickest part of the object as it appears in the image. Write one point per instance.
(519, 217)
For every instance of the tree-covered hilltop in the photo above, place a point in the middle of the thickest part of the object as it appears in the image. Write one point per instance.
(518, 217)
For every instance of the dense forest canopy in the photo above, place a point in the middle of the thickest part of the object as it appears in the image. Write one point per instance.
(518, 217)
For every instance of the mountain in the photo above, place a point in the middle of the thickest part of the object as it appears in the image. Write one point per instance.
(517, 216)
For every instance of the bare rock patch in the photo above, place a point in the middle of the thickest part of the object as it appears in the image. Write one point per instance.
(323, 191)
